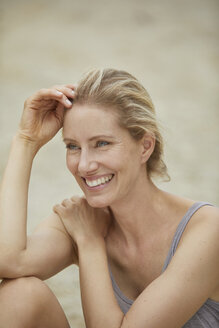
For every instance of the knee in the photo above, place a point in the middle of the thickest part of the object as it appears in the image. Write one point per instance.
(21, 301)
(27, 303)
(22, 291)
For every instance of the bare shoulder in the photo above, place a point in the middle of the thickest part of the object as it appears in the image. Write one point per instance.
(202, 228)
(53, 228)
(197, 253)
(52, 221)
(211, 210)
(206, 219)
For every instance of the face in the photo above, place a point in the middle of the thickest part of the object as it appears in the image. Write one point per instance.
(104, 159)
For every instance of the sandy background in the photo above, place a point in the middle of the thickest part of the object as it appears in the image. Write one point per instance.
(170, 45)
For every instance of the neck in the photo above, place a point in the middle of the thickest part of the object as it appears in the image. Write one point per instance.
(138, 214)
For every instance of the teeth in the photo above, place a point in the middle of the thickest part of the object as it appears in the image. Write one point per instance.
(99, 181)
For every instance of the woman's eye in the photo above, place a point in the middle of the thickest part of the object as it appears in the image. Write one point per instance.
(72, 147)
(102, 143)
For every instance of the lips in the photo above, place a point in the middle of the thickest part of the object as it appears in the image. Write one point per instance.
(98, 181)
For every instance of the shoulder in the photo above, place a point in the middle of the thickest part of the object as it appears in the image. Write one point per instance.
(204, 222)
(203, 227)
(53, 231)
(203, 217)
(52, 221)
(197, 252)
(53, 228)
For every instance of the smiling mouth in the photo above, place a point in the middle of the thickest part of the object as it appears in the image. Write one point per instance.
(99, 181)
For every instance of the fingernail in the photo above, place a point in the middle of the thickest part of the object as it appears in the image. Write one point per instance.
(72, 91)
(59, 92)
(68, 102)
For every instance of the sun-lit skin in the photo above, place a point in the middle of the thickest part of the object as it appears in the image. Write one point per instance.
(97, 148)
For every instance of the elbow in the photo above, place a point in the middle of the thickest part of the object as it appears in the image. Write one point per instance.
(120, 322)
(123, 323)
(9, 265)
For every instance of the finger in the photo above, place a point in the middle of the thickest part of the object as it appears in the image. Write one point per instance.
(60, 210)
(61, 94)
(56, 208)
(67, 91)
(65, 101)
(47, 94)
(66, 202)
(60, 110)
(50, 94)
(75, 199)
(72, 86)
(84, 201)
(67, 97)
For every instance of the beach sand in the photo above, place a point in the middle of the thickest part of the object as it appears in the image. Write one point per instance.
(171, 46)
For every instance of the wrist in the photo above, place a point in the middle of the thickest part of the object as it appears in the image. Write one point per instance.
(26, 143)
(90, 244)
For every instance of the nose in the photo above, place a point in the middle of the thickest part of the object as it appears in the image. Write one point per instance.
(87, 163)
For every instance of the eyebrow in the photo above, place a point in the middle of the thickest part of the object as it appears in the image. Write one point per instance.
(101, 136)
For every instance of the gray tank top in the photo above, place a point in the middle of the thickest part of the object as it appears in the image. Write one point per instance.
(208, 315)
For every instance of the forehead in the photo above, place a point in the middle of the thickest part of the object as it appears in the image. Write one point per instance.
(90, 119)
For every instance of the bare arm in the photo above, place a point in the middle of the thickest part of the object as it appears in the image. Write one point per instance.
(48, 251)
(171, 299)
(41, 120)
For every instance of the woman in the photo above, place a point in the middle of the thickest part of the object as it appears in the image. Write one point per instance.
(146, 258)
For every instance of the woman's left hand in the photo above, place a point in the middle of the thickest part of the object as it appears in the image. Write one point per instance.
(83, 222)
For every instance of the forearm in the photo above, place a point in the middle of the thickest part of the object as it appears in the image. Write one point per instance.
(14, 196)
(99, 303)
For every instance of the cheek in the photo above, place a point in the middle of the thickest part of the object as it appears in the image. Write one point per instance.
(71, 163)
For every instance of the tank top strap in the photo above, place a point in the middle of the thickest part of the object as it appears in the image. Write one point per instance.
(180, 229)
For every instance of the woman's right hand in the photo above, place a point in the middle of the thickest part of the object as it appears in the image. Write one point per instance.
(43, 113)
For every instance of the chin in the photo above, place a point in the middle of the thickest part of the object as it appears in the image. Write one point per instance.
(97, 203)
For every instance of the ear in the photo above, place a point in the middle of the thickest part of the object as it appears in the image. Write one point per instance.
(147, 146)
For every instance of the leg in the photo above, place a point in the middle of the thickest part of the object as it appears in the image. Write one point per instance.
(28, 303)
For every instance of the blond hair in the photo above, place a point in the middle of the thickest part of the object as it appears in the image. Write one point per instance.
(118, 89)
